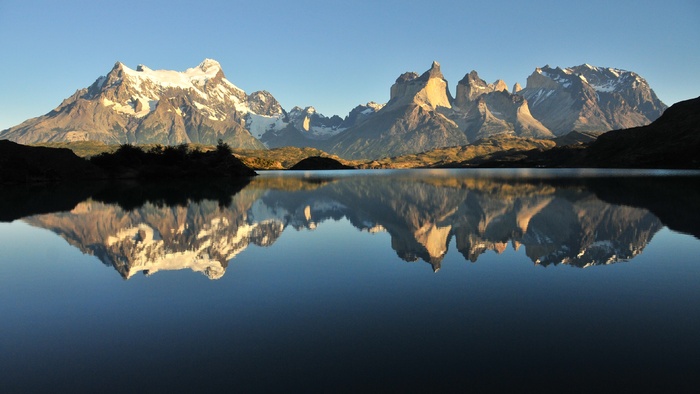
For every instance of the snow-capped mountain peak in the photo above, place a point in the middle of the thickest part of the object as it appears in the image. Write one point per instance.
(143, 105)
(609, 79)
(600, 79)
(192, 78)
(137, 92)
(209, 65)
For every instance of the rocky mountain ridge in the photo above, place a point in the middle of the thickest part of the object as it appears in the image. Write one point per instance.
(414, 120)
(485, 110)
(589, 98)
(200, 105)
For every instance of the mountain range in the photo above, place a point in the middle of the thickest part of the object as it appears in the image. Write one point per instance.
(200, 105)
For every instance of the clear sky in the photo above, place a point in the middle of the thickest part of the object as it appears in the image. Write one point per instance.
(334, 55)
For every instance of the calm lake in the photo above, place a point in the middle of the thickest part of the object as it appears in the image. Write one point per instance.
(356, 281)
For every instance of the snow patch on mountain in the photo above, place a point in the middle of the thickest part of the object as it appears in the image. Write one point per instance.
(313, 124)
(540, 95)
(258, 125)
(147, 87)
(560, 79)
(101, 82)
(192, 78)
(212, 96)
(325, 131)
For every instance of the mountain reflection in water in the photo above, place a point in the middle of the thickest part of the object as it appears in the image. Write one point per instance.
(556, 220)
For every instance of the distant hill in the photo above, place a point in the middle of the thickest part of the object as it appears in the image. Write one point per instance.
(280, 158)
(458, 156)
(285, 158)
(576, 137)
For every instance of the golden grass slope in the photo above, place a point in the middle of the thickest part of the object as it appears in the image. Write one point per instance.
(286, 157)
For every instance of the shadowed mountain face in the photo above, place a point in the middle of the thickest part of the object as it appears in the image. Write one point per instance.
(555, 221)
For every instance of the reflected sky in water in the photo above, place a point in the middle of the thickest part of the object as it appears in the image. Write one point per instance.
(328, 283)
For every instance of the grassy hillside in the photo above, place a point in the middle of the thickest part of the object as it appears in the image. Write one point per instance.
(281, 158)
(286, 157)
(457, 155)
(82, 148)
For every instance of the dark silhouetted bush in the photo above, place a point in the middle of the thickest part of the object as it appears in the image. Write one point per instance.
(171, 162)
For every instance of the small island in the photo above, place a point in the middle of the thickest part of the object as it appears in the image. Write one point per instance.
(320, 163)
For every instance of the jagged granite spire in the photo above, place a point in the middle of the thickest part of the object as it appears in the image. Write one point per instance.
(433, 72)
(430, 89)
(471, 87)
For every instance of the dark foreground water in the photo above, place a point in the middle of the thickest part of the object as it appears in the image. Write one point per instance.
(405, 281)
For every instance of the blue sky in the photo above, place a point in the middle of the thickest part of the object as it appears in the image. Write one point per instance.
(334, 55)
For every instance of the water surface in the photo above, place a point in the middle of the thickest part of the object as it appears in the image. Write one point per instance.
(355, 281)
